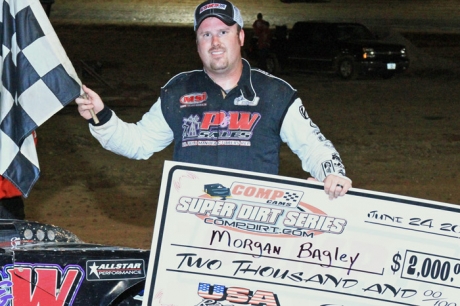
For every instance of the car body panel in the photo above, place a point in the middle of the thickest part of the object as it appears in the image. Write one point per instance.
(59, 269)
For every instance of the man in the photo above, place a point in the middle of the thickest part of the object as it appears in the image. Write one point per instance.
(258, 24)
(261, 40)
(226, 115)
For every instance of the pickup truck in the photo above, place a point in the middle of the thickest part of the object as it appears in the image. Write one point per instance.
(348, 49)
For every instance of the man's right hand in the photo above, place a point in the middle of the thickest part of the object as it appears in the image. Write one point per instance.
(91, 101)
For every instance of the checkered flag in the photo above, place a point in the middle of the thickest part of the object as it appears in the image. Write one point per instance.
(37, 80)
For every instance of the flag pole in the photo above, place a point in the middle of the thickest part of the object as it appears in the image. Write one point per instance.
(91, 111)
(96, 120)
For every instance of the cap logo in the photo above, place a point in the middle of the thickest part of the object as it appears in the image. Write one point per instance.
(213, 6)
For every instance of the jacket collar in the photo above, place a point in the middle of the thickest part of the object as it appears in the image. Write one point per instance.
(245, 91)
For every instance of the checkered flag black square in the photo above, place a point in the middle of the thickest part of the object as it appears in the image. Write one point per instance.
(37, 81)
(291, 197)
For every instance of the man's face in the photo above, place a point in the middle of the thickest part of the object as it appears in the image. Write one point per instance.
(219, 45)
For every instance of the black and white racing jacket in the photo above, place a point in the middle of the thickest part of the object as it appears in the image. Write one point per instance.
(242, 129)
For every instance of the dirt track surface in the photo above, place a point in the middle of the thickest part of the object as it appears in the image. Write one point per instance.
(399, 136)
(419, 15)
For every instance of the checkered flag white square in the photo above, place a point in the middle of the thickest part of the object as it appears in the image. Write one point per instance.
(37, 80)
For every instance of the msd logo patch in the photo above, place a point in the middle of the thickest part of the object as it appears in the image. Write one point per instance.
(193, 99)
(117, 269)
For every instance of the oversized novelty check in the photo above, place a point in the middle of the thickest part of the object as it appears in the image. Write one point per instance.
(227, 237)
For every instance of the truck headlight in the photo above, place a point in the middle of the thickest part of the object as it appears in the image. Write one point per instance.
(368, 53)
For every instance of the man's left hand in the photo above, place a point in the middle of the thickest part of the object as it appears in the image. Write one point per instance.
(335, 185)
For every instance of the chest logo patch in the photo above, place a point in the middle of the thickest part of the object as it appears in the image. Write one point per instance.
(193, 99)
(219, 128)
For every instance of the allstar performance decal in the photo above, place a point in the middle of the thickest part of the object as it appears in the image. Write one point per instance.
(117, 269)
(219, 128)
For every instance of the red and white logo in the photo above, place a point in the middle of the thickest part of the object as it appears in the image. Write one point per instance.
(213, 6)
(193, 99)
(47, 284)
(216, 294)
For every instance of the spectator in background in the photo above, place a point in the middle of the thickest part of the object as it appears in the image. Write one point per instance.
(258, 25)
(261, 39)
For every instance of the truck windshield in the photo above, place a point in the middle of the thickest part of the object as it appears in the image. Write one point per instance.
(346, 32)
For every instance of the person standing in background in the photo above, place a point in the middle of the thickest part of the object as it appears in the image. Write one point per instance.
(261, 40)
